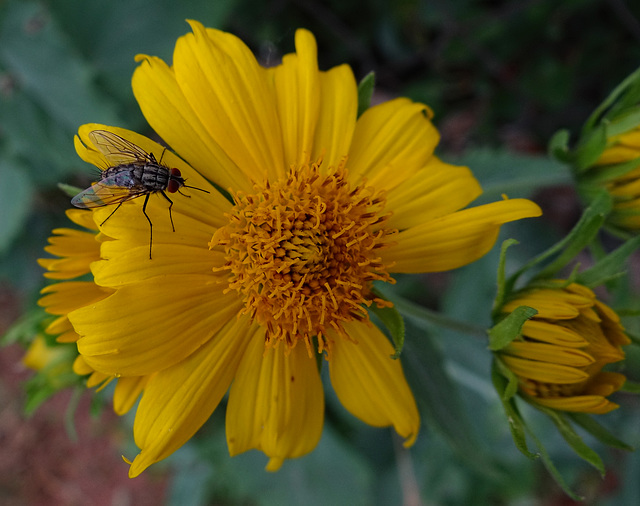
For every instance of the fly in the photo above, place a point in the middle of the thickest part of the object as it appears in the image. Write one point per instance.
(133, 173)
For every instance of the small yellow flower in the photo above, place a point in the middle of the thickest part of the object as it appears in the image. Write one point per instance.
(622, 183)
(560, 356)
(254, 283)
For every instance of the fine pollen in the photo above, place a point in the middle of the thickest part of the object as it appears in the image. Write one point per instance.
(302, 253)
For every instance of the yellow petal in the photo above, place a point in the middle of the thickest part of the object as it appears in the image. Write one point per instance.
(297, 89)
(276, 403)
(550, 353)
(127, 392)
(227, 89)
(338, 113)
(618, 154)
(436, 190)
(594, 404)
(456, 239)
(370, 384)
(178, 400)
(167, 111)
(151, 325)
(81, 217)
(133, 265)
(544, 372)
(61, 298)
(553, 334)
(80, 367)
(391, 142)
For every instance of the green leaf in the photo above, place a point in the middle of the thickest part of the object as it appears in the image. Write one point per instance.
(514, 174)
(69, 190)
(392, 320)
(510, 327)
(589, 424)
(431, 318)
(365, 92)
(15, 201)
(516, 424)
(609, 267)
(574, 440)
(25, 328)
(438, 398)
(38, 54)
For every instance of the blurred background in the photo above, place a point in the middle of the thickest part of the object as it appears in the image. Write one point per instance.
(501, 77)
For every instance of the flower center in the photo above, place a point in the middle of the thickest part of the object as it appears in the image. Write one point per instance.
(302, 252)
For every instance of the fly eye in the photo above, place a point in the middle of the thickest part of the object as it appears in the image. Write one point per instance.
(173, 185)
(175, 173)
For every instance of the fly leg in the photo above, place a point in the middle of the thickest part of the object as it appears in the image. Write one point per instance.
(112, 213)
(144, 211)
(170, 206)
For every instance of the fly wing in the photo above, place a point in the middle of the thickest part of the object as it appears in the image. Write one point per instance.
(104, 192)
(118, 151)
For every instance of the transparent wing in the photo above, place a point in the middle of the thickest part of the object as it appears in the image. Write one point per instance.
(117, 150)
(103, 193)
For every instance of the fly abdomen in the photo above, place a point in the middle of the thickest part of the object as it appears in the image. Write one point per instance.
(155, 177)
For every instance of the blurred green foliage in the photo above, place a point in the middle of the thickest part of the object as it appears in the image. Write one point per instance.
(500, 75)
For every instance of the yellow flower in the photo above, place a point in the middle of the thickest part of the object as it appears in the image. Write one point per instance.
(77, 250)
(622, 182)
(563, 349)
(252, 285)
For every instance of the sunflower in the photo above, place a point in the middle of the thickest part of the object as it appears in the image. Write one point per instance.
(560, 356)
(308, 206)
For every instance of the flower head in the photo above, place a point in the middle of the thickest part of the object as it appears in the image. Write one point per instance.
(618, 171)
(308, 206)
(560, 356)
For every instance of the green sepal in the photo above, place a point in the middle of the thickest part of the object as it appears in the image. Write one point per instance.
(626, 94)
(510, 327)
(604, 174)
(503, 286)
(631, 387)
(365, 92)
(550, 466)
(516, 424)
(511, 388)
(559, 146)
(69, 190)
(573, 243)
(392, 320)
(573, 438)
(590, 148)
(624, 122)
(589, 424)
(610, 267)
